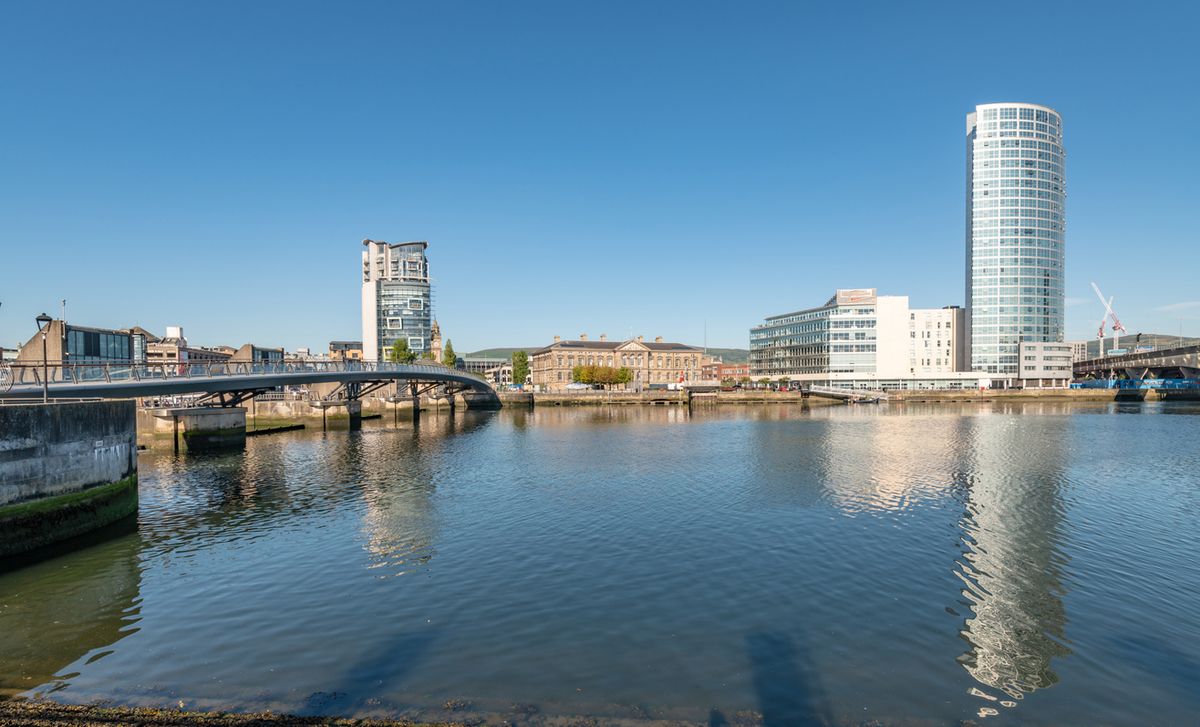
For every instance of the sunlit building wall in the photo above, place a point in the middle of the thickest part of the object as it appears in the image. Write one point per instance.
(1015, 232)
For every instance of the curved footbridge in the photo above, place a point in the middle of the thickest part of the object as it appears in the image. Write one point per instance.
(213, 392)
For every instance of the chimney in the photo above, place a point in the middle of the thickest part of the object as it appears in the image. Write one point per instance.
(582, 336)
(641, 338)
(557, 339)
(603, 336)
(658, 339)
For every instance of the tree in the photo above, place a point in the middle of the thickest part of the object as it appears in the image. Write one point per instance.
(624, 375)
(428, 356)
(582, 374)
(520, 364)
(448, 357)
(764, 382)
(728, 382)
(601, 375)
(400, 352)
(744, 380)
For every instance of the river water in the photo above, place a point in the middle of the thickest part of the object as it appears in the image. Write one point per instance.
(917, 565)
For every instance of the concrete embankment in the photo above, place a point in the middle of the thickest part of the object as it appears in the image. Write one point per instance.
(65, 470)
(658, 398)
(1056, 395)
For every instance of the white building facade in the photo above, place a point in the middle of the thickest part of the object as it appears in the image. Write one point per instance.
(1046, 365)
(859, 339)
(1015, 232)
(397, 298)
(936, 340)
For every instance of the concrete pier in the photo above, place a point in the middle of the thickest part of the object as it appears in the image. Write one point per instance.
(65, 469)
(197, 429)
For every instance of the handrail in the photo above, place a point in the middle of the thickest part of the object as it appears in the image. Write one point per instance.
(30, 373)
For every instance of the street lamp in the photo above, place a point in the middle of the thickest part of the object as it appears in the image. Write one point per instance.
(44, 322)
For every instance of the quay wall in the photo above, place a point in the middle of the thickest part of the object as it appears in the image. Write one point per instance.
(65, 469)
(606, 398)
(1048, 395)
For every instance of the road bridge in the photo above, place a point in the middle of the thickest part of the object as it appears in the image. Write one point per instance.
(1170, 363)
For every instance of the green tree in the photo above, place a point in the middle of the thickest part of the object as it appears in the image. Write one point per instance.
(784, 381)
(428, 356)
(728, 381)
(448, 357)
(520, 364)
(400, 352)
(744, 380)
(624, 376)
(601, 375)
(764, 382)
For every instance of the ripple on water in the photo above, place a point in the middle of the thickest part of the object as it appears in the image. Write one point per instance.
(966, 562)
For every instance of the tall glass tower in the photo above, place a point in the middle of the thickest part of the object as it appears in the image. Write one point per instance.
(1015, 232)
(397, 299)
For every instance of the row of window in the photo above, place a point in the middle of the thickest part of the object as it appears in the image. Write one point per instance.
(1025, 113)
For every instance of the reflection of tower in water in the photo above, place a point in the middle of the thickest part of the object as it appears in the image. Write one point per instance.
(400, 523)
(1011, 562)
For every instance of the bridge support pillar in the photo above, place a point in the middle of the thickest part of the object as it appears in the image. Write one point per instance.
(354, 410)
(416, 402)
(479, 400)
(196, 429)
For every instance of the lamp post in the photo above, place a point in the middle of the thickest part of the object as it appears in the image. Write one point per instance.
(44, 322)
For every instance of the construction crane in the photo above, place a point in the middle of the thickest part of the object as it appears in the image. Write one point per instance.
(1117, 328)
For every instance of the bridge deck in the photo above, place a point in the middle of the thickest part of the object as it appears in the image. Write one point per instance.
(124, 381)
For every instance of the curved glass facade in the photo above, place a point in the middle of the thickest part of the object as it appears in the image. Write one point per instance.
(1015, 232)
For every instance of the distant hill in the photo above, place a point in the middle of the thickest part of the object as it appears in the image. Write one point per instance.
(728, 355)
(498, 352)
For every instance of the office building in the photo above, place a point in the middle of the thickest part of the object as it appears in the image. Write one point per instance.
(655, 364)
(397, 299)
(1015, 232)
(480, 365)
(71, 344)
(935, 344)
(250, 353)
(860, 339)
(345, 351)
(1045, 365)
(173, 348)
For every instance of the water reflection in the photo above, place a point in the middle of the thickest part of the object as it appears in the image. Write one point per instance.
(53, 615)
(1012, 563)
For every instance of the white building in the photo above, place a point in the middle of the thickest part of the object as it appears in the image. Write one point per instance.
(935, 343)
(860, 339)
(1046, 365)
(397, 299)
(1015, 232)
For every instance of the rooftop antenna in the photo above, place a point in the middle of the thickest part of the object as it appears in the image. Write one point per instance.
(64, 310)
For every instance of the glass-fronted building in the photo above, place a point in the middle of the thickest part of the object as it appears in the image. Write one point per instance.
(861, 340)
(842, 336)
(1015, 232)
(397, 298)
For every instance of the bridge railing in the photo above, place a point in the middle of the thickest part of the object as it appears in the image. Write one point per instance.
(66, 372)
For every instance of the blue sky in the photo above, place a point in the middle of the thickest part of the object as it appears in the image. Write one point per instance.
(654, 168)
